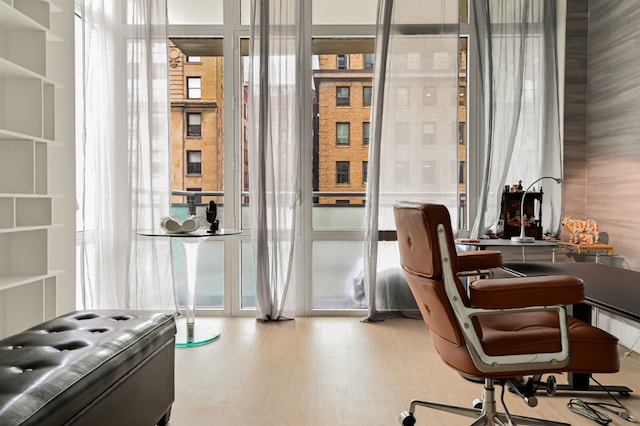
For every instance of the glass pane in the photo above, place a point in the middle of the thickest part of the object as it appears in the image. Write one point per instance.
(245, 10)
(193, 12)
(344, 12)
(196, 128)
(209, 274)
(337, 275)
(341, 108)
(248, 278)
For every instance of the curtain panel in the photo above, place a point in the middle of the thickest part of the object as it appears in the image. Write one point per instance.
(123, 151)
(275, 105)
(518, 108)
(413, 151)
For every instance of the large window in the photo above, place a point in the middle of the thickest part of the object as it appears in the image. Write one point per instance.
(212, 75)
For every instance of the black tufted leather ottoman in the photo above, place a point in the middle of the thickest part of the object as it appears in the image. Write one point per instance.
(90, 368)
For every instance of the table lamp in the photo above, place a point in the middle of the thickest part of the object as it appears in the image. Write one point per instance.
(523, 238)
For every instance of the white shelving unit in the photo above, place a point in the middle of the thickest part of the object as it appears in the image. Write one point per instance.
(27, 131)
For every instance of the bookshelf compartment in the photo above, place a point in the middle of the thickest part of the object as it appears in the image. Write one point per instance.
(22, 45)
(33, 211)
(49, 298)
(41, 168)
(6, 212)
(23, 254)
(20, 96)
(16, 166)
(36, 10)
(49, 107)
(20, 312)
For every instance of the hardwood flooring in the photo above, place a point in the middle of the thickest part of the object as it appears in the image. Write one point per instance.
(339, 371)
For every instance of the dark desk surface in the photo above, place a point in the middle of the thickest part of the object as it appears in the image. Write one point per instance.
(607, 287)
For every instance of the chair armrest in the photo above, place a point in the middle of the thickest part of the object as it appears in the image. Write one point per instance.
(479, 260)
(520, 292)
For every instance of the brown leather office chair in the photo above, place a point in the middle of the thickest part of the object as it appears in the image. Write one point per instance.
(503, 329)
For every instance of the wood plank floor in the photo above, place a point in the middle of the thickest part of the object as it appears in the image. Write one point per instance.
(340, 371)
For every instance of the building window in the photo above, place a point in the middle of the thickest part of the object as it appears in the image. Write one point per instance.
(368, 61)
(402, 96)
(343, 62)
(429, 97)
(343, 201)
(342, 96)
(366, 131)
(194, 124)
(194, 162)
(365, 172)
(402, 133)
(194, 88)
(366, 96)
(194, 59)
(342, 133)
(402, 172)
(342, 172)
(429, 133)
(428, 172)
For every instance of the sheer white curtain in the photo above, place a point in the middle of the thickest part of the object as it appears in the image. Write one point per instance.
(413, 153)
(275, 105)
(123, 156)
(519, 121)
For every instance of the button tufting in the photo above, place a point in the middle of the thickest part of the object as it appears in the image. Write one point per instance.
(121, 318)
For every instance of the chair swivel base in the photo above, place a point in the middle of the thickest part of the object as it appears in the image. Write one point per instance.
(487, 415)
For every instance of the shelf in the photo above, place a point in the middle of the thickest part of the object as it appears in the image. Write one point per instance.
(15, 19)
(12, 281)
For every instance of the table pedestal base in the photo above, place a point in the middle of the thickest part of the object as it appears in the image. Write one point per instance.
(195, 334)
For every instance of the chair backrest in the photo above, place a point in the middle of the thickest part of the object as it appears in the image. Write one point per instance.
(420, 257)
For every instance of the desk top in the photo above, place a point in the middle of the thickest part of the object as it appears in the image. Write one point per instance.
(502, 242)
(607, 287)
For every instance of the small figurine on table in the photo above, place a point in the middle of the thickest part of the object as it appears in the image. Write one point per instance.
(212, 212)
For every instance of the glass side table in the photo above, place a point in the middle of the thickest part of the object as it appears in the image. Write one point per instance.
(187, 332)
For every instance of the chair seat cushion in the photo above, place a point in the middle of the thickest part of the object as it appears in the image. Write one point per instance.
(592, 349)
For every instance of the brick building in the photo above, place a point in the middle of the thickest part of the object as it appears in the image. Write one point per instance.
(197, 131)
(343, 88)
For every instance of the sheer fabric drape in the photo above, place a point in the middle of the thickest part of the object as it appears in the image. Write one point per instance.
(413, 152)
(518, 109)
(123, 156)
(275, 105)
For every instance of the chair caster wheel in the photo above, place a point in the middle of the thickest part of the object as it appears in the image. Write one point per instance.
(407, 419)
(551, 385)
(477, 403)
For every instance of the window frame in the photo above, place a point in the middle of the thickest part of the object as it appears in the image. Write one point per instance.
(343, 101)
(191, 165)
(189, 126)
(343, 169)
(191, 89)
(342, 125)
